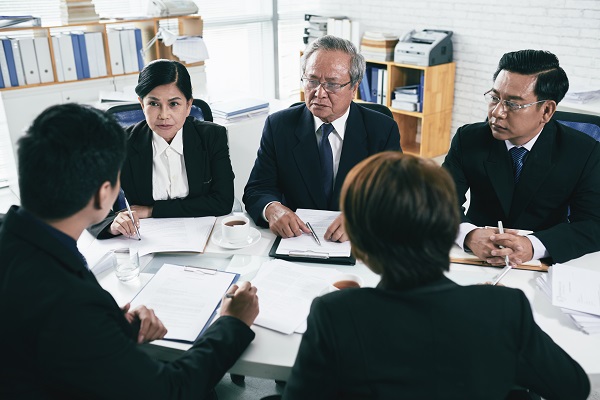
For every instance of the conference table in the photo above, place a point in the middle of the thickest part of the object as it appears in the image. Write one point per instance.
(272, 354)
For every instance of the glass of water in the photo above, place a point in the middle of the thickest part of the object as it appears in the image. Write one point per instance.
(128, 268)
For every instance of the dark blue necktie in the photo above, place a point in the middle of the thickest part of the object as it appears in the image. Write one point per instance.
(326, 157)
(518, 154)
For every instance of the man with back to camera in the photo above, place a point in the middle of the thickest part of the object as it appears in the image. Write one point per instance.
(64, 336)
(527, 170)
(294, 168)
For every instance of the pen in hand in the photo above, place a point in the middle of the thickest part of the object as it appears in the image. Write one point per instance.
(314, 235)
(506, 260)
(131, 217)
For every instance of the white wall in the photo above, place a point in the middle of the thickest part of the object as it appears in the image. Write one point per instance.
(484, 30)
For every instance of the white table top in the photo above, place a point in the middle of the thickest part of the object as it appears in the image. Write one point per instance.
(272, 354)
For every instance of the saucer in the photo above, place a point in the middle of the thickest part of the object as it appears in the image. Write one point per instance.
(253, 237)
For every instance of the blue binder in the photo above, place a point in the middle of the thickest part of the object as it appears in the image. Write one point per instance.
(138, 47)
(10, 60)
(85, 66)
(77, 55)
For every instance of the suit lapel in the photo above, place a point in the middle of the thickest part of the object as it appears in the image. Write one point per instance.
(306, 156)
(499, 170)
(194, 155)
(140, 167)
(537, 166)
(354, 149)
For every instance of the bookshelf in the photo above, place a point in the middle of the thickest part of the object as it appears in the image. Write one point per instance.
(426, 133)
(188, 25)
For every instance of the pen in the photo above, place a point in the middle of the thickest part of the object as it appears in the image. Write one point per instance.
(229, 296)
(506, 261)
(131, 217)
(314, 235)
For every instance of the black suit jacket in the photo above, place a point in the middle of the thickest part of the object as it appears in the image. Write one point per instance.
(439, 341)
(208, 167)
(561, 172)
(287, 164)
(64, 337)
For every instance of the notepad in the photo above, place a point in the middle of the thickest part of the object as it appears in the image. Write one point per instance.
(459, 256)
(305, 247)
(185, 299)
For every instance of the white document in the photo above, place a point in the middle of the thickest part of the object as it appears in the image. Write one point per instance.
(18, 61)
(67, 57)
(320, 221)
(286, 291)
(184, 298)
(114, 52)
(575, 288)
(60, 76)
(174, 234)
(44, 61)
(30, 66)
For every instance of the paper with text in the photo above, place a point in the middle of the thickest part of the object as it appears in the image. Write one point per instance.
(184, 299)
(575, 288)
(320, 221)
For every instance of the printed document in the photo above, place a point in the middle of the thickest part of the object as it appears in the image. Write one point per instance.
(184, 298)
(320, 221)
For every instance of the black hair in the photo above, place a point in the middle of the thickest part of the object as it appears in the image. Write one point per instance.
(67, 153)
(164, 72)
(552, 82)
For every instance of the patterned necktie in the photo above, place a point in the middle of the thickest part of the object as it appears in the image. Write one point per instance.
(518, 154)
(326, 157)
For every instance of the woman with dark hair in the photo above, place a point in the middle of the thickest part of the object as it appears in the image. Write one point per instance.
(418, 335)
(176, 165)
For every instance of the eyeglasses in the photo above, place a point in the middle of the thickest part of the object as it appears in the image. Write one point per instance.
(329, 87)
(494, 100)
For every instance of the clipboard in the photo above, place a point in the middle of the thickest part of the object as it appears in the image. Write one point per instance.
(543, 267)
(309, 256)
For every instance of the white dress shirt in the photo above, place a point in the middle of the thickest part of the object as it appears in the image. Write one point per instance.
(539, 250)
(169, 176)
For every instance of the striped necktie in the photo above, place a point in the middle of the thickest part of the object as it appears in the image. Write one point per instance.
(518, 155)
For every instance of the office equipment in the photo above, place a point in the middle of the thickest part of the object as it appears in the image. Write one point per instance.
(44, 60)
(312, 232)
(171, 8)
(18, 62)
(67, 57)
(30, 64)
(185, 298)
(60, 75)
(304, 248)
(4, 66)
(114, 52)
(427, 47)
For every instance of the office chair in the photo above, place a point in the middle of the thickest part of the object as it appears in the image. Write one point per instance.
(131, 113)
(372, 106)
(588, 124)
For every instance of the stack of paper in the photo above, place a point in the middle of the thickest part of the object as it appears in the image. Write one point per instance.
(575, 290)
(378, 46)
(239, 108)
(75, 11)
(579, 93)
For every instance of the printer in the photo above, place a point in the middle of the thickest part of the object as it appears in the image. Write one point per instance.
(425, 48)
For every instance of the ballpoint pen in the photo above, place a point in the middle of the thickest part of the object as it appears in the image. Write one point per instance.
(314, 235)
(131, 217)
(506, 261)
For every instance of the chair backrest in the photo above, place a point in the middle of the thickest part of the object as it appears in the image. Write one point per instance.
(588, 124)
(131, 113)
(372, 106)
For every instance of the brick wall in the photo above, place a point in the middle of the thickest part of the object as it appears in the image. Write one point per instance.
(483, 31)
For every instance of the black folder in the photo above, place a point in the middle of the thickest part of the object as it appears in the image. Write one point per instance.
(310, 256)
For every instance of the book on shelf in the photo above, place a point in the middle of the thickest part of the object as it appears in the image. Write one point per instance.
(405, 105)
(378, 46)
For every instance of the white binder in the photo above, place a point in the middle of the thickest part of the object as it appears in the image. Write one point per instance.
(100, 55)
(44, 61)
(67, 57)
(18, 62)
(128, 49)
(91, 53)
(114, 52)
(30, 66)
(60, 76)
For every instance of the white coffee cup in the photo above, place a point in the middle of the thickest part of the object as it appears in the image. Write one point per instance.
(235, 229)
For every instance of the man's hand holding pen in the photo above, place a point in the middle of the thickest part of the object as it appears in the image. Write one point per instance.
(489, 245)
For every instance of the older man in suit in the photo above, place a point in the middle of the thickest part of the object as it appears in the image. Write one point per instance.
(306, 151)
(526, 169)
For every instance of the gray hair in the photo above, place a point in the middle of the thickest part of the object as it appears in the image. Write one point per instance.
(333, 43)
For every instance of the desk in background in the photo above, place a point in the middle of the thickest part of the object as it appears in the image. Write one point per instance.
(272, 354)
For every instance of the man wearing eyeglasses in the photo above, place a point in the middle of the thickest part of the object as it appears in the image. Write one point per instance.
(527, 170)
(307, 150)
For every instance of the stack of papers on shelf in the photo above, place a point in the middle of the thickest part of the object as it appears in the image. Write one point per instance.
(19, 21)
(407, 98)
(239, 108)
(75, 11)
(185, 298)
(575, 290)
(378, 46)
(582, 95)
(286, 292)
(190, 49)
